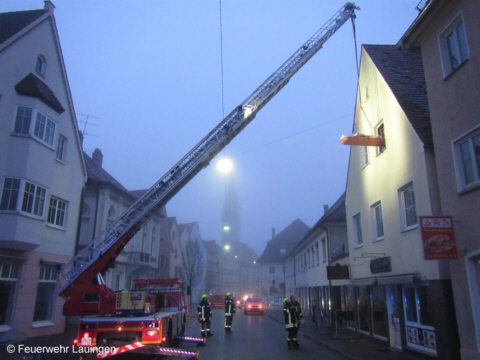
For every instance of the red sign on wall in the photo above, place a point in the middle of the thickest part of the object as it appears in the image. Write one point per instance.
(438, 238)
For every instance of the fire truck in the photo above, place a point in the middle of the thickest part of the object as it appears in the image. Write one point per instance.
(152, 315)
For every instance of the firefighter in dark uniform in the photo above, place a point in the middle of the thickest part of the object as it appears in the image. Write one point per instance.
(298, 315)
(229, 311)
(204, 315)
(291, 324)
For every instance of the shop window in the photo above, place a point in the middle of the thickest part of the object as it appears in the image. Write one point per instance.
(363, 296)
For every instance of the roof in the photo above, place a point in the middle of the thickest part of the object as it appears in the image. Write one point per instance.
(284, 242)
(98, 176)
(12, 22)
(32, 86)
(336, 213)
(403, 73)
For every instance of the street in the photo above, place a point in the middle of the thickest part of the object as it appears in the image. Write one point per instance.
(253, 337)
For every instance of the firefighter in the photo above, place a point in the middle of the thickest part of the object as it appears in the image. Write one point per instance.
(298, 315)
(204, 315)
(229, 311)
(291, 325)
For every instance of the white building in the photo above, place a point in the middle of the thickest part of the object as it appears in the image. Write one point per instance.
(397, 295)
(42, 172)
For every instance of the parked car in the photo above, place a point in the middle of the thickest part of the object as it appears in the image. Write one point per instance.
(254, 304)
(276, 304)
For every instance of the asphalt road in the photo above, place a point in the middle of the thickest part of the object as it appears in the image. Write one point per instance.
(254, 337)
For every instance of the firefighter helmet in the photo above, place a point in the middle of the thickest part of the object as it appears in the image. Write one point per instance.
(285, 301)
(229, 294)
(204, 296)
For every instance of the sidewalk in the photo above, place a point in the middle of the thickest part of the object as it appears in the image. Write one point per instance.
(349, 344)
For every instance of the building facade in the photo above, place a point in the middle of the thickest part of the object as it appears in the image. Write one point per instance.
(448, 34)
(397, 294)
(147, 255)
(42, 172)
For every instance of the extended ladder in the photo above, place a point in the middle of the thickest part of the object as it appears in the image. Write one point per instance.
(112, 240)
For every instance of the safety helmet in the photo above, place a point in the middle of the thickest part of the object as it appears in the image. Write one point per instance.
(229, 294)
(285, 301)
(204, 296)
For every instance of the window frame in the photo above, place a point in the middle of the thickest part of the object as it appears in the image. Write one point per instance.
(459, 161)
(403, 208)
(375, 222)
(59, 215)
(35, 124)
(463, 54)
(380, 131)
(61, 149)
(46, 280)
(357, 230)
(34, 204)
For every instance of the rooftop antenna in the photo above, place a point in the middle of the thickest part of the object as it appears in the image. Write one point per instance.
(87, 122)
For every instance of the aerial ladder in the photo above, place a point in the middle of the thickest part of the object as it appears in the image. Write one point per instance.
(82, 284)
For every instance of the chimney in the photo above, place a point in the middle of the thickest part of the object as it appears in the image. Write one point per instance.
(325, 209)
(97, 157)
(273, 233)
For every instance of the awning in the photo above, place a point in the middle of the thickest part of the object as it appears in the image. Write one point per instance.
(365, 282)
(396, 280)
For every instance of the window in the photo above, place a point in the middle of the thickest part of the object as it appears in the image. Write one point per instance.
(467, 160)
(366, 156)
(408, 208)
(45, 293)
(32, 200)
(377, 222)
(43, 129)
(8, 280)
(271, 270)
(56, 212)
(381, 133)
(11, 188)
(324, 250)
(453, 46)
(23, 120)
(41, 65)
(357, 230)
(61, 147)
(317, 253)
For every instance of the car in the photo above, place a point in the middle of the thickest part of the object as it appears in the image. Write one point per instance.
(239, 302)
(254, 304)
(276, 304)
(217, 301)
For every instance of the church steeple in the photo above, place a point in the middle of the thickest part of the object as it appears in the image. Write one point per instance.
(231, 215)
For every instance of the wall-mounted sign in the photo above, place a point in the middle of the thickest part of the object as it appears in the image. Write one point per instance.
(438, 238)
(338, 273)
(381, 265)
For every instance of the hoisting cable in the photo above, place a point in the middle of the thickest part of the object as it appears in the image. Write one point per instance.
(360, 108)
(221, 59)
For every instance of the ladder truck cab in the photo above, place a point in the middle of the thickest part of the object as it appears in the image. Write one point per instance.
(152, 313)
(149, 314)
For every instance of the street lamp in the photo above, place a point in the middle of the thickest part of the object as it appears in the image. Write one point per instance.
(224, 165)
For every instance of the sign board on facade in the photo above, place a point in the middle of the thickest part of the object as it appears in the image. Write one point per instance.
(438, 238)
(381, 265)
(338, 273)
